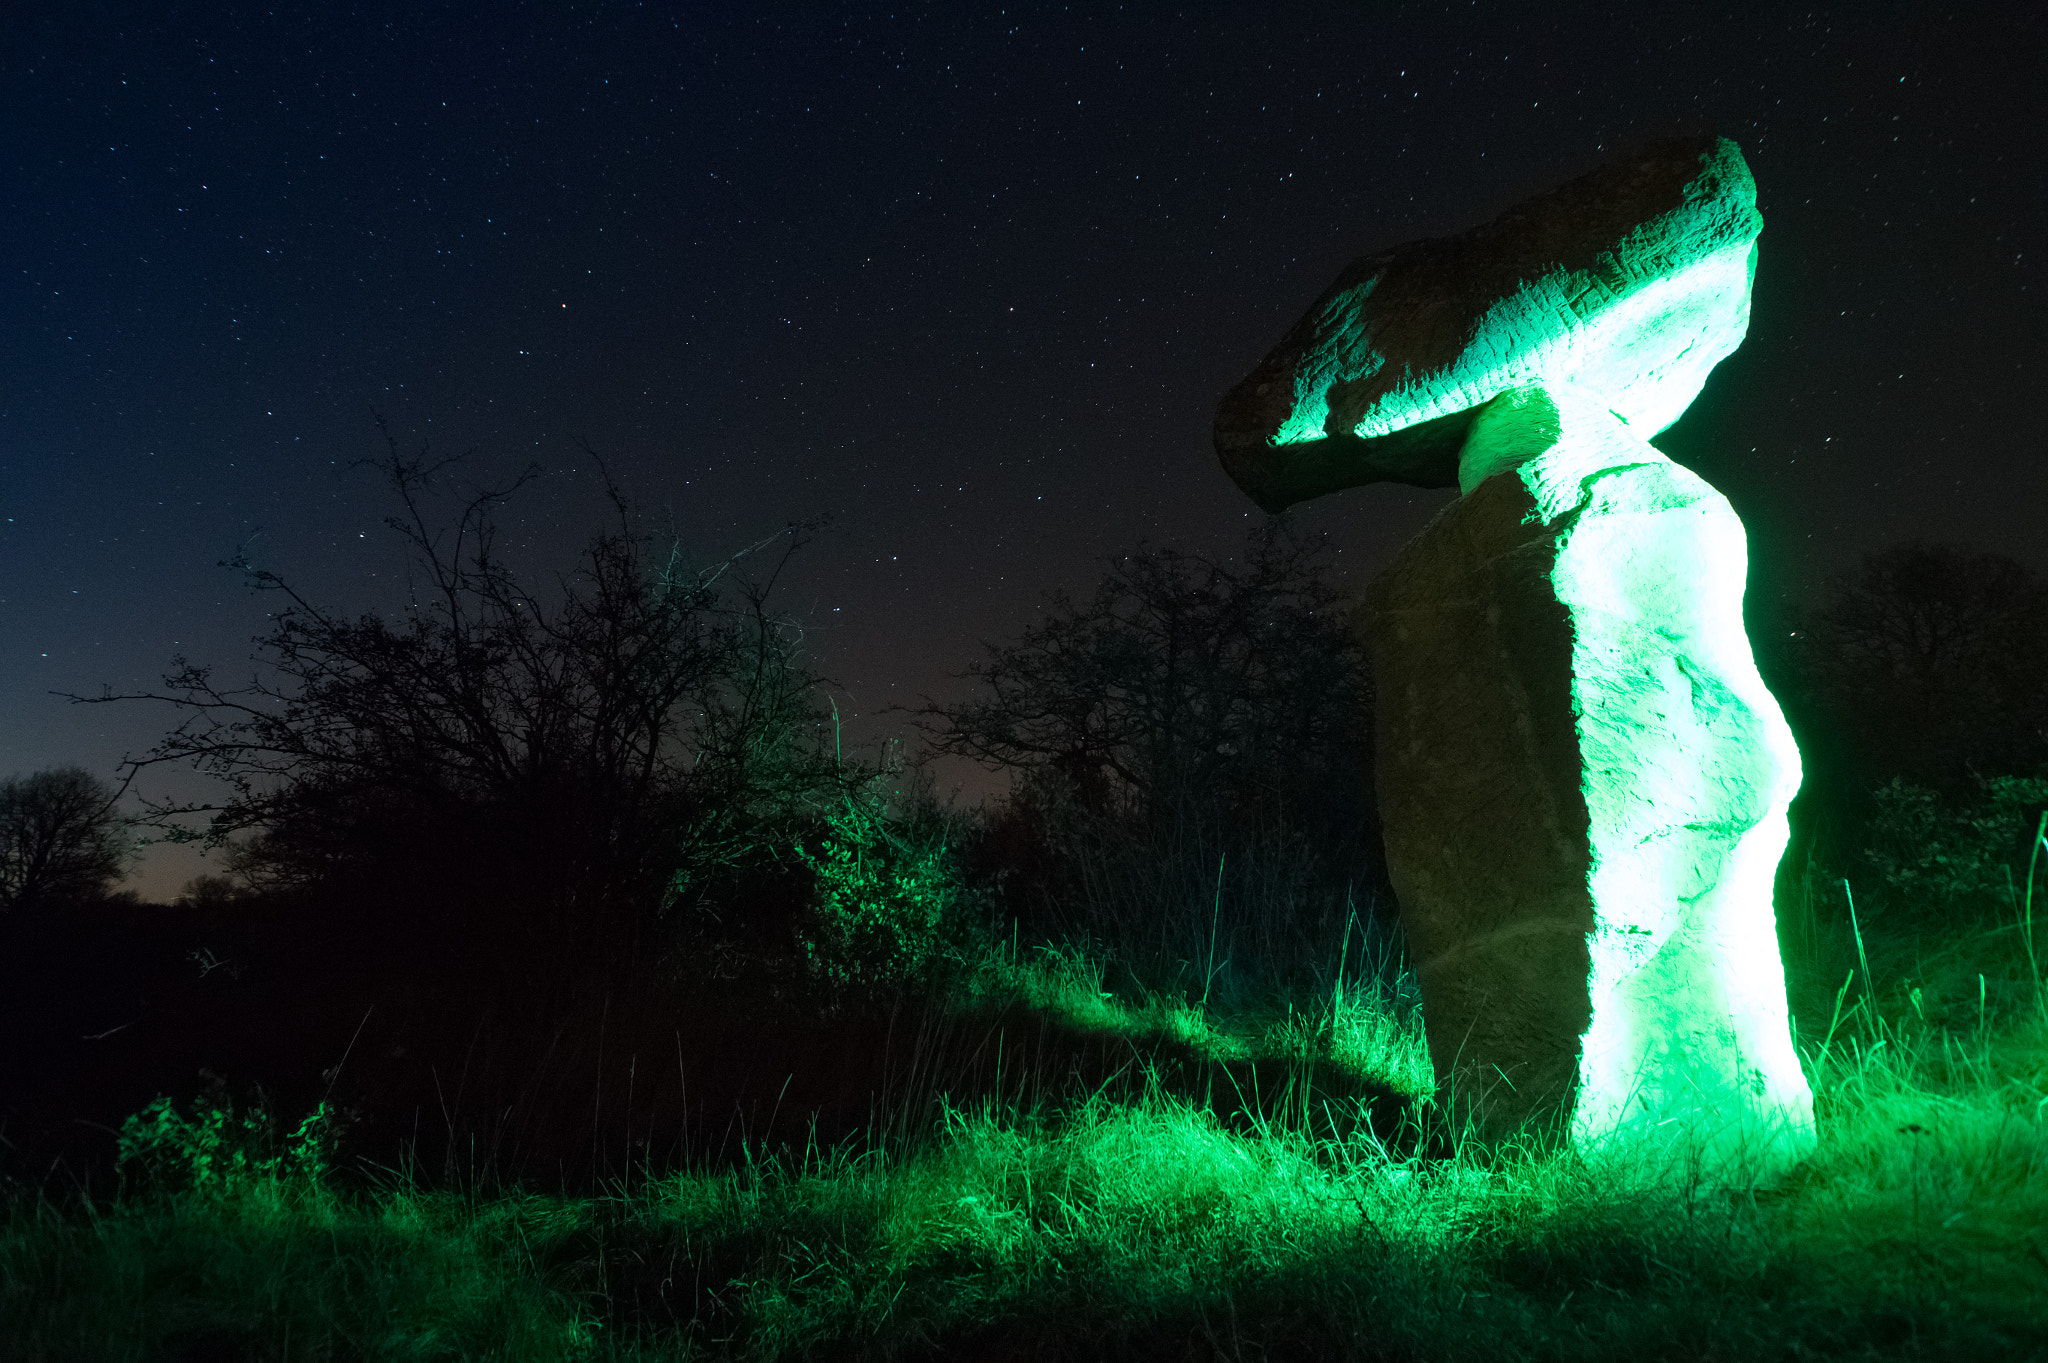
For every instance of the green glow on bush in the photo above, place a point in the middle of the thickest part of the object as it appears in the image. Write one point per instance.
(884, 908)
(220, 1152)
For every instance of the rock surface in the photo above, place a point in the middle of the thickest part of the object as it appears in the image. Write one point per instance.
(1582, 780)
(1632, 281)
(1583, 783)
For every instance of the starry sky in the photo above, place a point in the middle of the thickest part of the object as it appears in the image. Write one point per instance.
(968, 278)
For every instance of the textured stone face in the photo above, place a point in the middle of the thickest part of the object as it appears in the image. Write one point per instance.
(1582, 780)
(1583, 783)
(1632, 281)
(1477, 776)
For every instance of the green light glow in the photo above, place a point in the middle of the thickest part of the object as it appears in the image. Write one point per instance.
(1574, 740)
(1346, 354)
(1688, 768)
(1646, 350)
(1632, 282)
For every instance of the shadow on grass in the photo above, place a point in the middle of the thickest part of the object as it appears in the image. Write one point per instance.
(460, 1069)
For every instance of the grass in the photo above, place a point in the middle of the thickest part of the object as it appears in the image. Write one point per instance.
(1144, 1225)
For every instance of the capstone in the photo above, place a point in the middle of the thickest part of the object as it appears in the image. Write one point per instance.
(1631, 281)
(1582, 778)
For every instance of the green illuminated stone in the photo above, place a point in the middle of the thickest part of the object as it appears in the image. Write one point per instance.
(1583, 781)
(1632, 281)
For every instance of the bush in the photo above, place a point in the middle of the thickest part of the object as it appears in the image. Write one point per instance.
(1949, 855)
(582, 756)
(217, 1151)
(1926, 663)
(890, 908)
(1235, 684)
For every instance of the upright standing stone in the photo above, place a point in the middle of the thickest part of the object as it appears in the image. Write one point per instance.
(1582, 779)
(1583, 783)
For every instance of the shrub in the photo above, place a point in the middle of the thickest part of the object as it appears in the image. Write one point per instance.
(1189, 762)
(218, 1151)
(1933, 853)
(1926, 663)
(593, 750)
(890, 908)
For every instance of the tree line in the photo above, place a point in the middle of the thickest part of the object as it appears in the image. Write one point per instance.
(527, 862)
(634, 758)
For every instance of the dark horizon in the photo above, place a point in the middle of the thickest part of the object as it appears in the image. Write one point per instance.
(971, 283)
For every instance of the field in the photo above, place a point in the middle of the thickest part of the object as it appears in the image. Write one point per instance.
(1165, 1211)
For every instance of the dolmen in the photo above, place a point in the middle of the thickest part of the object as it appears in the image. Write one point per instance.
(1582, 779)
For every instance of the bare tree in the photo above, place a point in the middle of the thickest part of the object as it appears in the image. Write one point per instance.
(1235, 682)
(59, 837)
(1930, 662)
(600, 743)
(1191, 756)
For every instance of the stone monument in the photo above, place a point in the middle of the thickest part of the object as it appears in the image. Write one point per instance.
(1582, 779)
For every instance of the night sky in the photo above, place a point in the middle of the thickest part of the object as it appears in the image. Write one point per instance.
(969, 279)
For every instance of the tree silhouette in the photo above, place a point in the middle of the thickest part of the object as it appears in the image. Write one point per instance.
(1928, 663)
(59, 838)
(1191, 762)
(598, 747)
(1236, 684)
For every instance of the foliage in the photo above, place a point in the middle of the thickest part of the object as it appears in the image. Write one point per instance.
(1189, 757)
(1146, 1222)
(1927, 664)
(1937, 854)
(889, 905)
(60, 838)
(1142, 1226)
(217, 1151)
(616, 741)
(1181, 676)
(276, 1267)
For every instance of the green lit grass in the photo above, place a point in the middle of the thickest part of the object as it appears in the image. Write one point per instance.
(1146, 1226)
